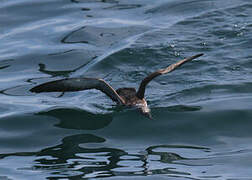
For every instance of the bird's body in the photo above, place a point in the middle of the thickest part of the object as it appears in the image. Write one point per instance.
(129, 96)
(123, 96)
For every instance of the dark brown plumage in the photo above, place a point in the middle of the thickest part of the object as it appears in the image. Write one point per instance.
(123, 96)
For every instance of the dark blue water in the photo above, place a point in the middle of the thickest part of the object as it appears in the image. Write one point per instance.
(202, 112)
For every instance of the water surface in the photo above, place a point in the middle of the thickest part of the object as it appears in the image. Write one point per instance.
(202, 111)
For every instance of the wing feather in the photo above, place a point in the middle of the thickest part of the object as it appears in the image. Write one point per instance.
(145, 81)
(78, 84)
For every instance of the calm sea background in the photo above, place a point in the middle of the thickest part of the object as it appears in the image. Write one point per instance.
(202, 126)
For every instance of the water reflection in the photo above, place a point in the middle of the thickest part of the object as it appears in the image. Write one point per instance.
(3, 67)
(124, 6)
(170, 157)
(42, 68)
(87, 155)
(89, 56)
(68, 157)
(5, 63)
(101, 36)
(71, 118)
(66, 41)
(93, 1)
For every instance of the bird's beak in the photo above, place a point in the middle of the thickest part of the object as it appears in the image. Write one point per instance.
(146, 112)
(148, 115)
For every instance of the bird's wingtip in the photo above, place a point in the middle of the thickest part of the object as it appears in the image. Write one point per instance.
(34, 89)
(198, 55)
(46, 87)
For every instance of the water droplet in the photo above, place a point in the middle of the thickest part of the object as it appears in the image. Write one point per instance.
(240, 34)
(176, 53)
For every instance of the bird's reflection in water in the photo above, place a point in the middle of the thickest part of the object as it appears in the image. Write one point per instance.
(71, 118)
(76, 158)
(72, 160)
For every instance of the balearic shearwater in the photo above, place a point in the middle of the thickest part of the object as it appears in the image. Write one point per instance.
(123, 96)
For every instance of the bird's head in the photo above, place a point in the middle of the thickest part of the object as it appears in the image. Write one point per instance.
(145, 111)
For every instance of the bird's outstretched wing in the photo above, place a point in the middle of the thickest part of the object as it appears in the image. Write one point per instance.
(141, 90)
(78, 84)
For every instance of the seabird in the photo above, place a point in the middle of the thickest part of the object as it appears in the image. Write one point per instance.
(122, 96)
